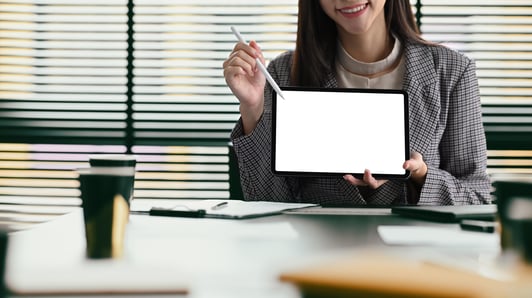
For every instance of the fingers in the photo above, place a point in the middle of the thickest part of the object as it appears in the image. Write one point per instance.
(416, 156)
(241, 61)
(239, 64)
(258, 50)
(355, 181)
(417, 167)
(367, 180)
(371, 181)
(414, 163)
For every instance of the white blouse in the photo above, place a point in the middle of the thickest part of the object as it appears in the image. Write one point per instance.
(351, 73)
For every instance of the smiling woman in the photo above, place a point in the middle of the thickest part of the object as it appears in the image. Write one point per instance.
(64, 90)
(367, 44)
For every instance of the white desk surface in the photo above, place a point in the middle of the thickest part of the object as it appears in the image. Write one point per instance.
(208, 257)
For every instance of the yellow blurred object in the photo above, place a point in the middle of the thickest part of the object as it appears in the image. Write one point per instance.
(374, 275)
(105, 231)
(120, 219)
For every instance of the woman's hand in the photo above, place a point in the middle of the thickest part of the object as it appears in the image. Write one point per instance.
(417, 167)
(246, 82)
(367, 180)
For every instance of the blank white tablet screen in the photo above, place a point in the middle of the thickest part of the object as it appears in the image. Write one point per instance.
(340, 132)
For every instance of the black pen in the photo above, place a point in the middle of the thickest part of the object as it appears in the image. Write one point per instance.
(219, 206)
(177, 213)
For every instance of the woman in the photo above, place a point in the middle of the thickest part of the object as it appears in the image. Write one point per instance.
(367, 44)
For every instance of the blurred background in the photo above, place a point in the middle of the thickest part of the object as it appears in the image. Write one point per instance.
(145, 77)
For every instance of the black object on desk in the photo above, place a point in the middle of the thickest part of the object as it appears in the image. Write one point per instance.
(177, 213)
(3, 252)
(448, 213)
(478, 225)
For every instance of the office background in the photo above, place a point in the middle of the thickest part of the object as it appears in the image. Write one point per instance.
(145, 77)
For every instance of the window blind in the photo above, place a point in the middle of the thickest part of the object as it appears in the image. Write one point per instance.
(64, 79)
(62, 96)
(498, 35)
(62, 71)
(180, 96)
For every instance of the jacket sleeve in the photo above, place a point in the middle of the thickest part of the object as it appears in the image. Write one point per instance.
(461, 177)
(253, 152)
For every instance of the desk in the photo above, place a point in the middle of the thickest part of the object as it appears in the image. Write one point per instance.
(216, 257)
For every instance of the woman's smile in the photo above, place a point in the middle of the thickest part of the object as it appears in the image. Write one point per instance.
(353, 11)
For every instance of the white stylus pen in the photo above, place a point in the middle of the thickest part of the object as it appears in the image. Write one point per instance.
(260, 65)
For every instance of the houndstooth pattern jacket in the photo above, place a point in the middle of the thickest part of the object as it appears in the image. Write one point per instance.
(445, 127)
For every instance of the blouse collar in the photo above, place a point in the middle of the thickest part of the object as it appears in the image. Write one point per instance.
(361, 68)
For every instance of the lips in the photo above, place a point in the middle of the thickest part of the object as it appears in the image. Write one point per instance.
(353, 11)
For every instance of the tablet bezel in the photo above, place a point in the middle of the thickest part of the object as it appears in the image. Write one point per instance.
(275, 98)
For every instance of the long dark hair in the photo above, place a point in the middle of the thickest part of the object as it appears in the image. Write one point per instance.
(317, 36)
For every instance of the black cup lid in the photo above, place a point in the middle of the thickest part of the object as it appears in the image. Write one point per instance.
(112, 160)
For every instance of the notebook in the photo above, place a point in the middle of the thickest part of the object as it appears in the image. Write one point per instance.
(225, 209)
(332, 132)
(448, 213)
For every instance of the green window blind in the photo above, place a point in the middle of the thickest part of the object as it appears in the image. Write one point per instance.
(183, 112)
(63, 67)
(74, 83)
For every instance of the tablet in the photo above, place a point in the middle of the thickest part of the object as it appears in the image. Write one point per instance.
(448, 213)
(321, 132)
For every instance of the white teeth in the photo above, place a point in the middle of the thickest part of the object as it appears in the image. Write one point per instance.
(354, 9)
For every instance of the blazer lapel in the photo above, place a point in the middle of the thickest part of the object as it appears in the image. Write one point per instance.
(420, 82)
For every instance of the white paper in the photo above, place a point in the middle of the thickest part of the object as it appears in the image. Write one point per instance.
(437, 236)
(238, 208)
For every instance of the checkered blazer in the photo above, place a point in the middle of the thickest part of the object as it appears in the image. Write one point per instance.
(445, 127)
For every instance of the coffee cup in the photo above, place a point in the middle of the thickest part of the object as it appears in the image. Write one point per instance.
(126, 161)
(113, 160)
(514, 207)
(104, 196)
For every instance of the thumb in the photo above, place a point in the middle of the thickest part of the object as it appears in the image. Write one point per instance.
(416, 155)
